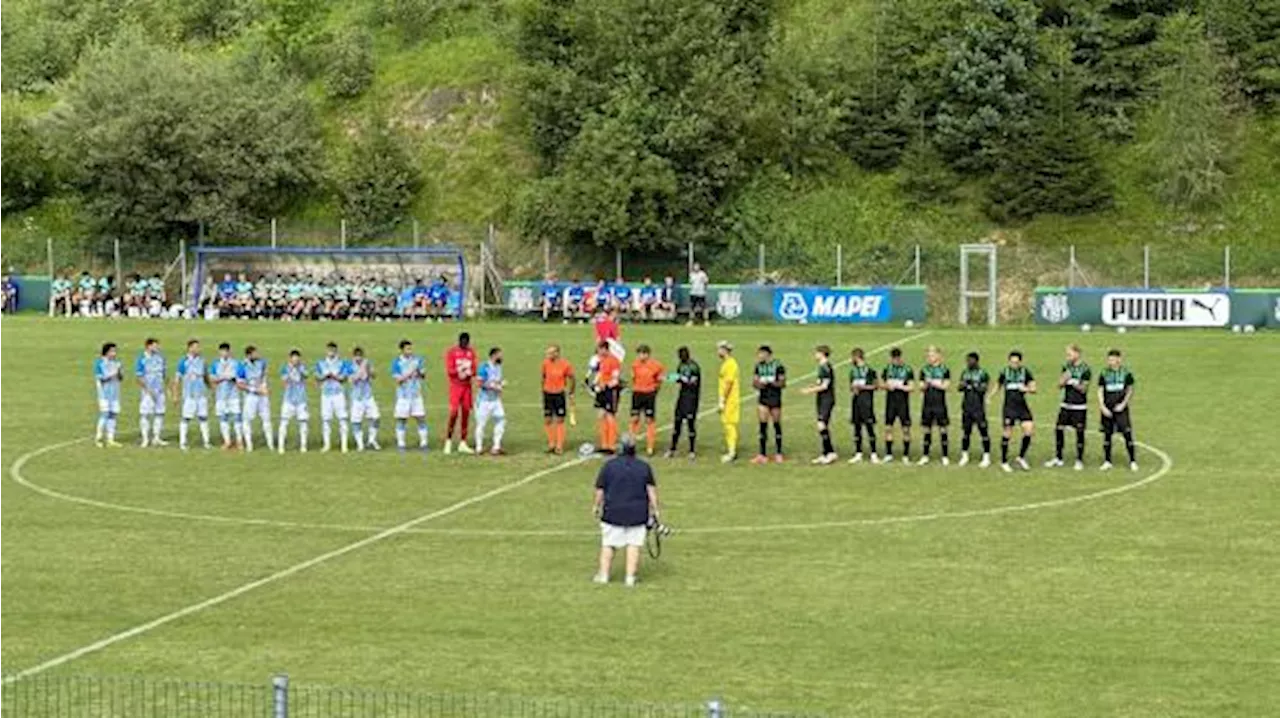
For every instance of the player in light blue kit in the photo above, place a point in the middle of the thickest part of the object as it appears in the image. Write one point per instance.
(225, 376)
(332, 372)
(363, 404)
(408, 370)
(107, 375)
(151, 371)
(294, 403)
(193, 384)
(489, 403)
(257, 399)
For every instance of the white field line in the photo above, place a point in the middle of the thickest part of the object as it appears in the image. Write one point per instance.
(16, 472)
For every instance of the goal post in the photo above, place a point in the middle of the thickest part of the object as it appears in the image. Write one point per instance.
(400, 268)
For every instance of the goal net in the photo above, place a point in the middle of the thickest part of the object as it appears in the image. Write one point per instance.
(403, 272)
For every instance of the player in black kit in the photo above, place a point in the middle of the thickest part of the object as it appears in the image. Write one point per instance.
(862, 382)
(973, 408)
(935, 378)
(824, 388)
(1074, 382)
(689, 377)
(770, 378)
(1017, 382)
(1115, 392)
(897, 379)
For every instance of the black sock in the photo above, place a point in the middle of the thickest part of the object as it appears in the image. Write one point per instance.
(693, 436)
(946, 448)
(675, 436)
(871, 437)
(857, 439)
(764, 438)
(1128, 444)
(1004, 449)
(1079, 446)
(986, 443)
(906, 447)
(777, 436)
(928, 442)
(1026, 444)
(827, 448)
(1059, 438)
(888, 446)
(964, 440)
(1106, 447)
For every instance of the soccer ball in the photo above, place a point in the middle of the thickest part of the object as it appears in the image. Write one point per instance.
(586, 450)
(1235, 328)
(908, 324)
(1121, 330)
(1086, 327)
(802, 320)
(1248, 329)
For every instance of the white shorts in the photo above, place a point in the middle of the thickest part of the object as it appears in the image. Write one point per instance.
(407, 407)
(619, 536)
(195, 407)
(487, 410)
(294, 411)
(257, 406)
(333, 405)
(362, 409)
(222, 407)
(151, 403)
(109, 406)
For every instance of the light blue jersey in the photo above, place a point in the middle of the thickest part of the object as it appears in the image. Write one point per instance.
(253, 372)
(410, 370)
(191, 372)
(361, 380)
(490, 376)
(226, 372)
(151, 369)
(295, 383)
(331, 372)
(107, 373)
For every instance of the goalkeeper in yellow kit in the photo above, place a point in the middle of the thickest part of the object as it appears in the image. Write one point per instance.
(730, 406)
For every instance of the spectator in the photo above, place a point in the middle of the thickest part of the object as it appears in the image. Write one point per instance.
(698, 295)
(10, 294)
(550, 296)
(666, 305)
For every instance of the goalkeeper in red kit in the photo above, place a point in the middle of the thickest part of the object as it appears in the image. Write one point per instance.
(460, 365)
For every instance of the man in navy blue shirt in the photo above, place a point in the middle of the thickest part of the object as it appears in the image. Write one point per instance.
(648, 298)
(573, 297)
(626, 498)
(438, 297)
(550, 296)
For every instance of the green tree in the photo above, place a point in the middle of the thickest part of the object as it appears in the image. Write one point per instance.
(1054, 167)
(1190, 124)
(351, 68)
(27, 167)
(1250, 31)
(159, 141)
(294, 30)
(376, 180)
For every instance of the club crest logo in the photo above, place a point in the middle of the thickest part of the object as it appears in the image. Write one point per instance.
(1055, 308)
(729, 304)
(520, 300)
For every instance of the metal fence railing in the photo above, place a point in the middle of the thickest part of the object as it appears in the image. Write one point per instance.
(61, 696)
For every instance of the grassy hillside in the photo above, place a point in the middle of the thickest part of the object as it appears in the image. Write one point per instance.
(446, 77)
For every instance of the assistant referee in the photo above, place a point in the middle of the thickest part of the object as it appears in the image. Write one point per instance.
(626, 498)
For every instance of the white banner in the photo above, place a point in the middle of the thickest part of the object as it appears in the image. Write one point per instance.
(1155, 309)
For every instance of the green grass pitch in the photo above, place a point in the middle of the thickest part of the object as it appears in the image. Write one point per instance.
(895, 590)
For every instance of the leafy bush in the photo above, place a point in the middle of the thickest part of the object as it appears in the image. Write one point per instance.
(376, 180)
(350, 69)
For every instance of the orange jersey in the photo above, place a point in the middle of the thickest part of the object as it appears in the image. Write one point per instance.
(556, 375)
(610, 369)
(646, 375)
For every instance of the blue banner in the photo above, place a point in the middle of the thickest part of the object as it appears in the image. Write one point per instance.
(817, 305)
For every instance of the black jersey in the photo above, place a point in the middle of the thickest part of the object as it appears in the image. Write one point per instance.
(1115, 383)
(689, 376)
(770, 374)
(862, 381)
(934, 396)
(1015, 381)
(973, 388)
(1073, 392)
(828, 394)
(896, 377)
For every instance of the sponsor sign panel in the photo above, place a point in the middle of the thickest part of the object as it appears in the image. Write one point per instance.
(1159, 309)
(806, 305)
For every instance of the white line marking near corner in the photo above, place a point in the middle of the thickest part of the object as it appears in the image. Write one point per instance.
(16, 472)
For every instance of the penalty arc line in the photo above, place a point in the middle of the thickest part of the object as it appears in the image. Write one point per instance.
(16, 472)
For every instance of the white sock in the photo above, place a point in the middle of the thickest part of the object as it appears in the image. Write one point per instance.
(183, 427)
(373, 431)
(358, 431)
(480, 435)
(204, 431)
(400, 435)
(422, 434)
(101, 428)
(499, 428)
(239, 428)
(302, 434)
(284, 432)
(342, 434)
(246, 434)
(224, 426)
(266, 434)
(144, 426)
(324, 432)
(157, 426)
(111, 428)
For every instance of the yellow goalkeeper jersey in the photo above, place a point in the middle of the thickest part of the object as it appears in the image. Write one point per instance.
(729, 383)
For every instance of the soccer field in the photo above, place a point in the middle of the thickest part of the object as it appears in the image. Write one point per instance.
(867, 590)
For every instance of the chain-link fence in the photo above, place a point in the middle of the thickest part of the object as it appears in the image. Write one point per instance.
(46, 696)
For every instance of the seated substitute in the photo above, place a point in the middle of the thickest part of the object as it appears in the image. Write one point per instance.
(626, 500)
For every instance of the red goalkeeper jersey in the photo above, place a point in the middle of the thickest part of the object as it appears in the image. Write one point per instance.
(460, 365)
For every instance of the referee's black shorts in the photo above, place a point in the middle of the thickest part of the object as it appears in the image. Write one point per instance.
(607, 399)
(644, 404)
(554, 405)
